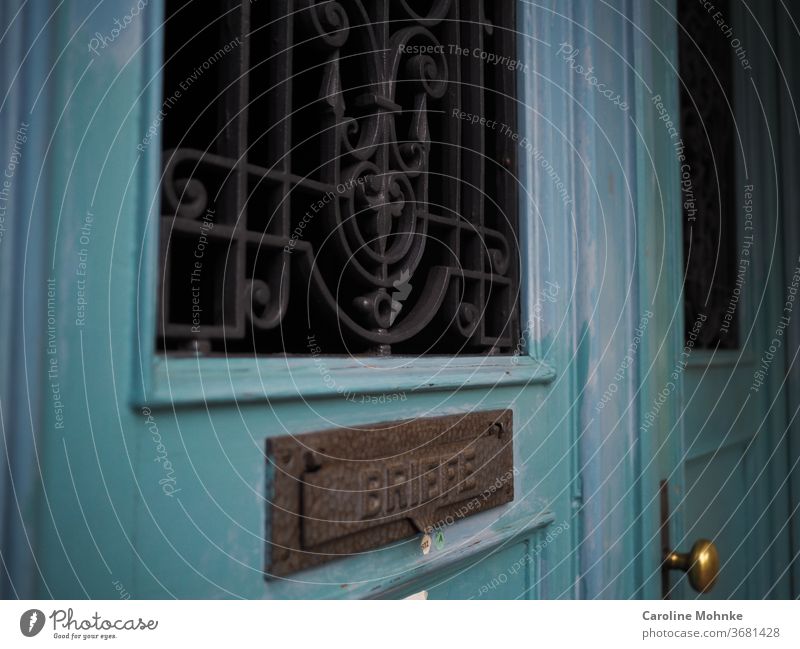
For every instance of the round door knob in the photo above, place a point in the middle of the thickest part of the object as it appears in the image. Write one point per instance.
(701, 563)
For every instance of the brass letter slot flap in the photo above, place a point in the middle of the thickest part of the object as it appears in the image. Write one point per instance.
(347, 490)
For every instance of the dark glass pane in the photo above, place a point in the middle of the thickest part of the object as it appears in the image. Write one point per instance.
(326, 187)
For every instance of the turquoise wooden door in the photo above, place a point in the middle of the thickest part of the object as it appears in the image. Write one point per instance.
(155, 481)
(142, 473)
(735, 428)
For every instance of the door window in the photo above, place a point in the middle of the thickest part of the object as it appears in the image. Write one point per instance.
(708, 176)
(339, 178)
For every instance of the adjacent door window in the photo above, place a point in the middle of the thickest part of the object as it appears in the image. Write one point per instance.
(708, 176)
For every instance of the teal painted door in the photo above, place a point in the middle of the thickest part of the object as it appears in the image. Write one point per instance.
(143, 475)
(734, 413)
(146, 473)
(154, 481)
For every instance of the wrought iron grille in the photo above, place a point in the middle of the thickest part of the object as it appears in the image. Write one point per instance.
(339, 177)
(709, 216)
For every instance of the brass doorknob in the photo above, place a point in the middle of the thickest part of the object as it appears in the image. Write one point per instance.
(701, 563)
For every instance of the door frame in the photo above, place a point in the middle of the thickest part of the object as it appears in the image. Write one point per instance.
(788, 49)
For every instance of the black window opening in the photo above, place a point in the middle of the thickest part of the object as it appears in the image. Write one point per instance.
(339, 177)
(708, 176)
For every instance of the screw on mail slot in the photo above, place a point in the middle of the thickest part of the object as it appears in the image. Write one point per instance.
(344, 491)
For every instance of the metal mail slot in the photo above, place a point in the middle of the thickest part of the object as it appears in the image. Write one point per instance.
(348, 490)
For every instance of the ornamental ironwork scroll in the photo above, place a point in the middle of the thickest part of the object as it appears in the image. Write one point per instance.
(325, 177)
